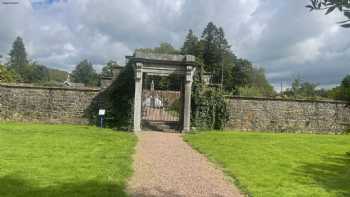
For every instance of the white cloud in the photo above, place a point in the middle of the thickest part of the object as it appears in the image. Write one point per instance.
(281, 36)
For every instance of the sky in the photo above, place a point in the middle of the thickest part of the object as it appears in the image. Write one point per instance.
(282, 37)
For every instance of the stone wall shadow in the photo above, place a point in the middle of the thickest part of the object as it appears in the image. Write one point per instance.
(13, 186)
(332, 173)
(117, 99)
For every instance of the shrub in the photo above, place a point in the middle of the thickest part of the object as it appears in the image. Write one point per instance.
(250, 91)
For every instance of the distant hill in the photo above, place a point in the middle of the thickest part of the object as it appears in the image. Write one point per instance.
(56, 75)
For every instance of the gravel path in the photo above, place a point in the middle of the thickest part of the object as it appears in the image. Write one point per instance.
(164, 165)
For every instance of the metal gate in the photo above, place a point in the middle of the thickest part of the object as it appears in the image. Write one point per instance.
(162, 103)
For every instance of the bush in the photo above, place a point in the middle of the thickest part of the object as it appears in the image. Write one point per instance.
(250, 91)
(6, 76)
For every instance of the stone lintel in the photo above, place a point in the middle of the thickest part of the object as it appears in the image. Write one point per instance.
(162, 57)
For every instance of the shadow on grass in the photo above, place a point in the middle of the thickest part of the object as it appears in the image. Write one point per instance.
(332, 174)
(12, 186)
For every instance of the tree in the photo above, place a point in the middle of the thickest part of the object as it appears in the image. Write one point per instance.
(214, 53)
(241, 73)
(85, 73)
(295, 90)
(302, 89)
(107, 71)
(259, 81)
(6, 76)
(164, 48)
(214, 49)
(18, 57)
(36, 73)
(331, 5)
(211, 49)
(191, 45)
(308, 89)
(344, 89)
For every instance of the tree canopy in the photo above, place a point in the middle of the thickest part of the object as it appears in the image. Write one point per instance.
(18, 58)
(191, 46)
(303, 89)
(342, 92)
(85, 73)
(6, 75)
(214, 52)
(107, 70)
(164, 47)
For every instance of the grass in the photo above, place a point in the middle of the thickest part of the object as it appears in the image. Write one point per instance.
(39, 160)
(274, 165)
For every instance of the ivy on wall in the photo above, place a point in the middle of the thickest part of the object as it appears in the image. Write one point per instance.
(122, 98)
(208, 105)
(118, 100)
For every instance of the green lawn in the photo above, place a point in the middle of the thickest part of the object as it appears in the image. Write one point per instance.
(39, 160)
(266, 164)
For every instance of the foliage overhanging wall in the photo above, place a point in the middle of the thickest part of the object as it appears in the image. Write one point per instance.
(117, 100)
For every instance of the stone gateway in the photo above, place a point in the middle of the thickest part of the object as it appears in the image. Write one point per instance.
(163, 65)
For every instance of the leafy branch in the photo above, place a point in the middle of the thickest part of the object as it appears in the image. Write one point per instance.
(331, 5)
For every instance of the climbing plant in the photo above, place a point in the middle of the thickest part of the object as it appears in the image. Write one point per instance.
(209, 108)
(117, 100)
(122, 98)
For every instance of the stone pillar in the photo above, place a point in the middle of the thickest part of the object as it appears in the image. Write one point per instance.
(187, 99)
(138, 97)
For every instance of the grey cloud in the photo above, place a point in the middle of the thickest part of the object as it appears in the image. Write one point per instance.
(281, 36)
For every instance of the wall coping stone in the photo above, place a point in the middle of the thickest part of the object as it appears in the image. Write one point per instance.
(32, 86)
(159, 58)
(286, 99)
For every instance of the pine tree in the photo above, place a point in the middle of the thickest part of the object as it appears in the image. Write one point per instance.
(18, 57)
(191, 45)
(210, 46)
(217, 59)
(222, 44)
(217, 56)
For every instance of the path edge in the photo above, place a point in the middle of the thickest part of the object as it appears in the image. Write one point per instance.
(126, 187)
(233, 179)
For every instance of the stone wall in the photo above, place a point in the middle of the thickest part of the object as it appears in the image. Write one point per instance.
(45, 104)
(261, 114)
(71, 105)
